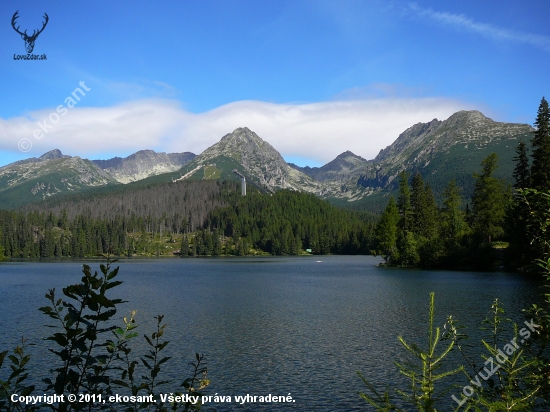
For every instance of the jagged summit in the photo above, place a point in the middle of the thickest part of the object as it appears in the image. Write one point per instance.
(349, 154)
(441, 150)
(53, 154)
(344, 161)
(413, 135)
(461, 127)
(242, 145)
(338, 169)
(243, 134)
(258, 159)
(467, 118)
(143, 164)
(142, 153)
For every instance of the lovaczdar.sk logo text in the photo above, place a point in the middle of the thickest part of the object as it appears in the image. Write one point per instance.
(29, 40)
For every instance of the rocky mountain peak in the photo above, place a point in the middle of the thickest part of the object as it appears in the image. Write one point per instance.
(414, 135)
(467, 118)
(346, 160)
(52, 154)
(338, 169)
(241, 144)
(242, 135)
(419, 129)
(258, 158)
(146, 152)
(439, 135)
(348, 154)
(146, 155)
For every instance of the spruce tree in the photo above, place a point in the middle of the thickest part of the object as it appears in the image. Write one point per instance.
(453, 219)
(489, 202)
(521, 170)
(217, 250)
(430, 224)
(404, 202)
(540, 170)
(2, 257)
(417, 200)
(517, 215)
(193, 251)
(386, 232)
(184, 247)
(424, 209)
(454, 227)
(406, 246)
(408, 249)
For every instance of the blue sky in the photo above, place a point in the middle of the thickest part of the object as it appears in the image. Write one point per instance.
(313, 78)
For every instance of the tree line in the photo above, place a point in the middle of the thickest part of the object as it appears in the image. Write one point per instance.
(414, 231)
(205, 218)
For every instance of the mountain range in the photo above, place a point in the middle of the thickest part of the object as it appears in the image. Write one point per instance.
(439, 150)
(143, 164)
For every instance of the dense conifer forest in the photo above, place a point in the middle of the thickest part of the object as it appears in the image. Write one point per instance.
(186, 219)
(494, 228)
(288, 222)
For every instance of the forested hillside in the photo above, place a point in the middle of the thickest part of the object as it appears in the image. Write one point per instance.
(288, 222)
(205, 217)
(177, 207)
(474, 231)
(111, 222)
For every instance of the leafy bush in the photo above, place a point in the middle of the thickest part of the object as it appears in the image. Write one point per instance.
(94, 354)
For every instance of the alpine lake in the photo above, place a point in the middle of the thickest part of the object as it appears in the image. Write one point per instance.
(298, 327)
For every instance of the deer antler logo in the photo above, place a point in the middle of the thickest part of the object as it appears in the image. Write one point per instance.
(29, 40)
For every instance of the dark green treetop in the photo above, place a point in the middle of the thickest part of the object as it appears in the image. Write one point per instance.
(522, 173)
(404, 202)
(453, 218)
(424, 208)
(488, 201)
(386, 231)
(540, 170)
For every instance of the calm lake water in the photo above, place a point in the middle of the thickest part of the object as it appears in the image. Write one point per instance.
(272, 325)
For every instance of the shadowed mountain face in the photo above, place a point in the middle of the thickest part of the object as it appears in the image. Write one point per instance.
(439, 150)
(143, 164)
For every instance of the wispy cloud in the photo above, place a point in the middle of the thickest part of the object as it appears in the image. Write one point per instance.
(317, 131)
(484, 29)
(140, 88)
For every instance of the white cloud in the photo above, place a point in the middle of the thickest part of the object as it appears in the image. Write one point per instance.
(484, 29)
(316, 131)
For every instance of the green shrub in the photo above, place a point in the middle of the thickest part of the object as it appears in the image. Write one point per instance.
(94, 355)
